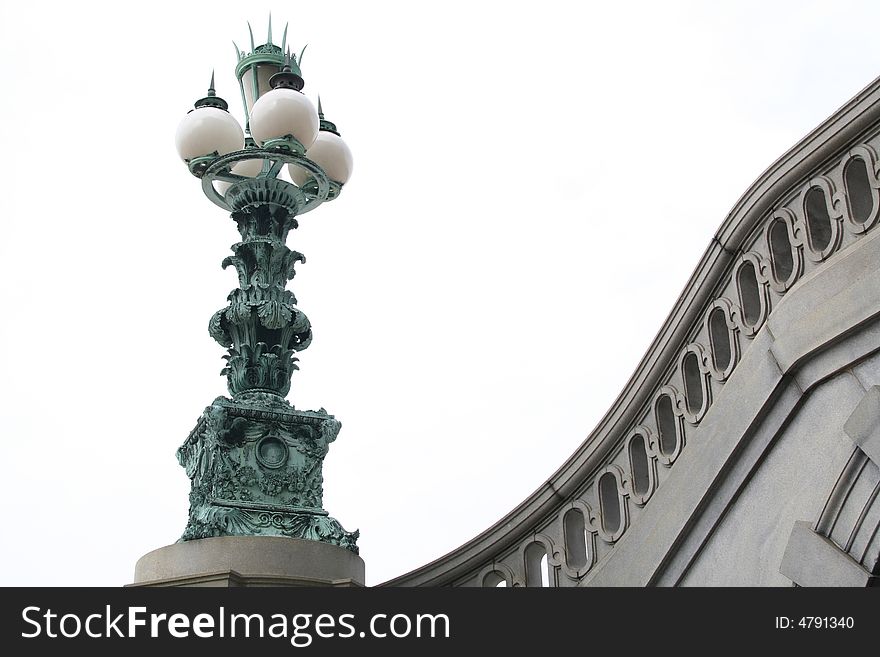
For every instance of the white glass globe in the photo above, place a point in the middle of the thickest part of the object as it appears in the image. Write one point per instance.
(205, 130)
(331, 154)
(249, 168)
(283, 112)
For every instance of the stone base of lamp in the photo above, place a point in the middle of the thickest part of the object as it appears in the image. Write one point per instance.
(228, 561)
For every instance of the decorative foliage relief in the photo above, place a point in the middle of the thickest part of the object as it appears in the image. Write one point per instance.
(261, 327)
(255, 465)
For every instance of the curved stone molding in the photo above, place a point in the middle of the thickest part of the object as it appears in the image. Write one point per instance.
(740, 258)
(797, 375)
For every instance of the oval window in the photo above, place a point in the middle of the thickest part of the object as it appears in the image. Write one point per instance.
(781, 252)
(693, 383)
(859, 194)
(609, 503)
(494, 579)
(749, 293)
(638, 461)
(666, 425)
(818, 221)
(536, 565)
(719, 339)
(575, 539)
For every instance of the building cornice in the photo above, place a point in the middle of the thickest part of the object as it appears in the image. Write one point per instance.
(857, 118)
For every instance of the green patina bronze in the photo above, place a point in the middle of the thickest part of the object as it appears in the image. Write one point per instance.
(255, 465)
(254, 460)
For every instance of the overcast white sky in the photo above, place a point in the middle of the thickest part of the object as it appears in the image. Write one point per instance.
(533, 184)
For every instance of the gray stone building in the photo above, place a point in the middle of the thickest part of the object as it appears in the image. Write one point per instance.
(744, 450)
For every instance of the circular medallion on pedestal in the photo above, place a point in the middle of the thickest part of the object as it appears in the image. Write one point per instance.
(271, 452)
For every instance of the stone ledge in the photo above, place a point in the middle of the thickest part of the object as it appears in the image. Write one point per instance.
(242, 561)
(812, 560)
(863, 426)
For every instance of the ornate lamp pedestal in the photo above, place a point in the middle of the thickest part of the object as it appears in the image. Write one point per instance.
(256, 514)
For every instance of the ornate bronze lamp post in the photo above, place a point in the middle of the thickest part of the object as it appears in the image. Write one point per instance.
(254, 460)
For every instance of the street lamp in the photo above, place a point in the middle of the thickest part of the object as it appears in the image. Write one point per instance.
(253, 459)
